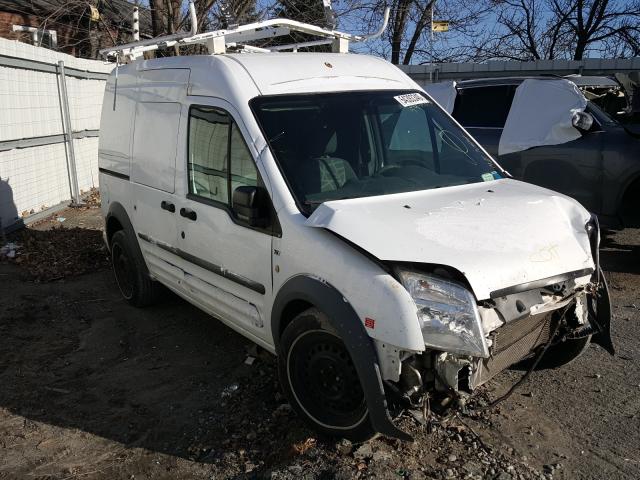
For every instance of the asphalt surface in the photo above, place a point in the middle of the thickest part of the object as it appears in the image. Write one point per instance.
(94, 388)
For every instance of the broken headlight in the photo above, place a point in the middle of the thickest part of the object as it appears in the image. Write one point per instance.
(448, 314)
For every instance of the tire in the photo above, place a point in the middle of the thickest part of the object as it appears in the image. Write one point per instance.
(563, 353)
(319, 378)
(569, 350)
(130, 272)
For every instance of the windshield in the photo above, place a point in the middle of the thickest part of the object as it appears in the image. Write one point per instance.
(356, 144)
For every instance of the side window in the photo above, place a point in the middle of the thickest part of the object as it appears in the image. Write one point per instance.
(243, 168)
(219, 160)
(209, 130)
(486, 107)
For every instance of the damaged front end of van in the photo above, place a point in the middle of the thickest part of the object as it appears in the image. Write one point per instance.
(454, 270)
(489, 291)
(548, 322)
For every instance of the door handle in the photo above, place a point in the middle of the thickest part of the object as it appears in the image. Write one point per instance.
(188, 213)
(169, 207)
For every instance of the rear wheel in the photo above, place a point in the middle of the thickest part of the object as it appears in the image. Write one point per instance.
(320, 379)
(135, 285)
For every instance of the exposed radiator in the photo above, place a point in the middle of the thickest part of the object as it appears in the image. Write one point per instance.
(513, 342)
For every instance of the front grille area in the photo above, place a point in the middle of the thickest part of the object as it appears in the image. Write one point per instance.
(513, 342)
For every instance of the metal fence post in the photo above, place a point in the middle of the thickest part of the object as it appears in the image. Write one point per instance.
(66, 123)
(136, 24)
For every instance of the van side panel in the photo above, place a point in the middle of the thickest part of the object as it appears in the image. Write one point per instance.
(154, 145)
(157, 120)
(162, 85)
(116, 122)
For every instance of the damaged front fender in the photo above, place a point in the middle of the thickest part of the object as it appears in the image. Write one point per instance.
(350, 329)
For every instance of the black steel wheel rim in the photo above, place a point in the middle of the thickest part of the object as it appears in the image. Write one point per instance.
(324, 380)
(123, 270)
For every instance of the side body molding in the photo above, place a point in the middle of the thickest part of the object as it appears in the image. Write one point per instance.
(350, 328)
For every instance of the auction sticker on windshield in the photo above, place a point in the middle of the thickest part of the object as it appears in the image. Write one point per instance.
(487, 177)
(410, 99)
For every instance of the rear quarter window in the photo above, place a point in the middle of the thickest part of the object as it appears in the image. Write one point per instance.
(484, 107)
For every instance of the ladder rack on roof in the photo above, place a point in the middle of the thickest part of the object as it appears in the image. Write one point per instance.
(218, 41)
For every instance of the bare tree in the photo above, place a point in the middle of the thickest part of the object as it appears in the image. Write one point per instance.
(409, 18)
(536, 29)
(628, 44)
(82, 26)
(479, 30)
(592, 22)
(223, 13)
(522, 30)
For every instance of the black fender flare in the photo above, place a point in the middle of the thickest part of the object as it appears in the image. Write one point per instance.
(603, 314)
(117, 211)
(603, 317)
(346, 322)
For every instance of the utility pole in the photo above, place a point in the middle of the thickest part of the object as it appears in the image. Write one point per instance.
(433, 7)
(136, 24)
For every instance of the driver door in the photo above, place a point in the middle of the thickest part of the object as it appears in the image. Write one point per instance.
(227, 262)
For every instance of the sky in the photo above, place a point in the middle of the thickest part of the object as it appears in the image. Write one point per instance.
(452, 42)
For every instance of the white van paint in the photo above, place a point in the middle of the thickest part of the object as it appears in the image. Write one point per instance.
(457, 226)
(496, 235)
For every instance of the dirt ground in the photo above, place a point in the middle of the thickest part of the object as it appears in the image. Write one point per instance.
(93, 388)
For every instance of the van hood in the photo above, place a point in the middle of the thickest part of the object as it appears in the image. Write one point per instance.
(498, 234)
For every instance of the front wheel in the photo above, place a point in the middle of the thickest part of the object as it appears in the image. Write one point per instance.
(563, 353)
(320, 380)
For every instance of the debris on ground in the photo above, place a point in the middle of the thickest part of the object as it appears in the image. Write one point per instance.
(364, 452)
(62, 245)
(303, 447)
(8, 251)
(230, 390)
(344, 447)
(91, 199)
(59, 253)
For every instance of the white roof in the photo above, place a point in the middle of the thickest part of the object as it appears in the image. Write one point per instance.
(242, 76)
(311, 72)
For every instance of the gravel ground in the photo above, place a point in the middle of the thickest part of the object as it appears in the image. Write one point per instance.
(94, 388)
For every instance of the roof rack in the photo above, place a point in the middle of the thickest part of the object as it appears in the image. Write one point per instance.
(234, 38)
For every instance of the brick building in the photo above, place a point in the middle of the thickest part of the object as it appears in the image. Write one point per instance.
(77, 27)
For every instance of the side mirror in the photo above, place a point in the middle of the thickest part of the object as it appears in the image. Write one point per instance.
(251, 205)
(582, 121)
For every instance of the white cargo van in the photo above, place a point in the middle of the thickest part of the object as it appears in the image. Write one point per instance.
(323, 206)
